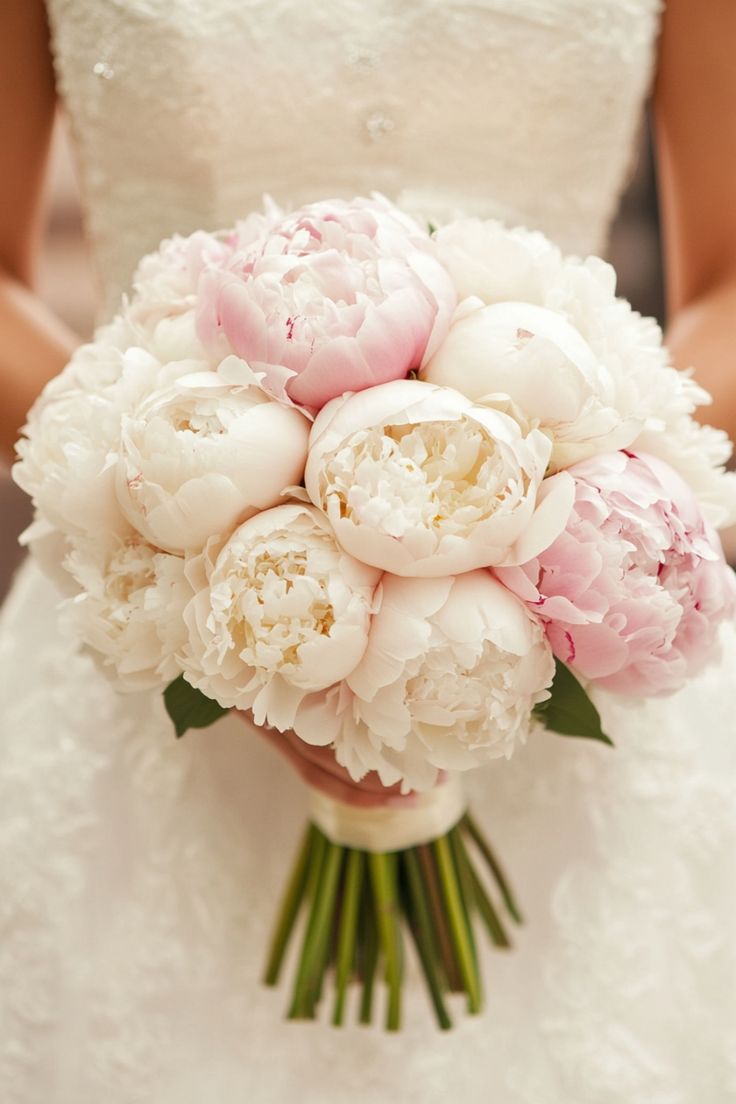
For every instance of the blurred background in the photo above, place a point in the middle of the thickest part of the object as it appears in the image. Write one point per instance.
(66, 283)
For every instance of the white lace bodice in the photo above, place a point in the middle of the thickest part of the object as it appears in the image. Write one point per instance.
(184, 113)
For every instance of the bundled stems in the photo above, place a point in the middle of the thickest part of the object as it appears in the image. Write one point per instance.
(355, 909)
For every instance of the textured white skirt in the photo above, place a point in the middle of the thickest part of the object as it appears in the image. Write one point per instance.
(139, 876)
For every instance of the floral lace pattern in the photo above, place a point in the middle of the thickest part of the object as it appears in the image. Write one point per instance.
(140, 875)
(538, 130)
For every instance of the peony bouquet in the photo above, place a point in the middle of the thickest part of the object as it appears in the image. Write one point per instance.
(403, 496)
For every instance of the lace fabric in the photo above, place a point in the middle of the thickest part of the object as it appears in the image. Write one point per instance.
(142, 874)
(139, 874)
(184, 114)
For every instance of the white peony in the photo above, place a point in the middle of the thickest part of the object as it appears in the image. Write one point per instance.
(165, 281)
(97, 365)
(279, 611)
(419, 481)
(175, 339)
(495, 264)
(535, 357)
(66, 456)
(129, 609)
(205, 453)
(448, 681)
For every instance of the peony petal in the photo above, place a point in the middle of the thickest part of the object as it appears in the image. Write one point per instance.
(554, 503)
(328, 371)
(317, 722)
(483, 609)
(400, 632)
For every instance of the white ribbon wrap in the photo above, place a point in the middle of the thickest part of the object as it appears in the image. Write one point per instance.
(389, 827)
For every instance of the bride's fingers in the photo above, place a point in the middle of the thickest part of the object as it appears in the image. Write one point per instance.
(312, 768)
(324, 758)
(318, 768)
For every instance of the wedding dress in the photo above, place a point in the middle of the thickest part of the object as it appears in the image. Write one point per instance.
(139, 874)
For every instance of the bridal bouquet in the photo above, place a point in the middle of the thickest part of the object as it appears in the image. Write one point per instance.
(402, 494)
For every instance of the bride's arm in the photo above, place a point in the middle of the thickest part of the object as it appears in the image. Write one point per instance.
(695, 112)
(34, 345)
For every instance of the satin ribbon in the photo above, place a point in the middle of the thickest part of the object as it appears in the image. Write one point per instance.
(389, 827)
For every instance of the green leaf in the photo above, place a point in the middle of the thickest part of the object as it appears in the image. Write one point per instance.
(190, 708)
(569, 711)
(431, 228)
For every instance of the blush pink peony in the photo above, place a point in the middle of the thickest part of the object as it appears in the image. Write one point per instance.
(336, 297)
(633, 590)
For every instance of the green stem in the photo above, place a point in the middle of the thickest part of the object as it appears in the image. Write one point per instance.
(383, 877)
(461, 937)
(483, 902)
(316, 938)
(467, 896)
(347, 931)
(430, 873)
(494, 866)
(319, 846)
(421, 928)
(329, 886)
(369, 949)
(289, 910)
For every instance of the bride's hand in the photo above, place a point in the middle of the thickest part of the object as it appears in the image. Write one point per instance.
(318, 768)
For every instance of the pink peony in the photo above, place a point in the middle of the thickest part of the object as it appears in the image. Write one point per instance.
(336, 297)
(632, 592)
